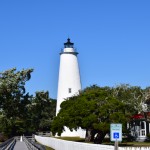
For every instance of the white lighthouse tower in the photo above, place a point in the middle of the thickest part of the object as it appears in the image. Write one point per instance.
(69, 82)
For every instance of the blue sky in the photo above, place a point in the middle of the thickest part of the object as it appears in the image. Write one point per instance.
(111, 36)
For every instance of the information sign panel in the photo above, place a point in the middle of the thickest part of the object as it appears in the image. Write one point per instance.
(116, 132)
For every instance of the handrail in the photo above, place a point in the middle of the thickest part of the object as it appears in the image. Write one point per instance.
(32, 145)
(9, 144)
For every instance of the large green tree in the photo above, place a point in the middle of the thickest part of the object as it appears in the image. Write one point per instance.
(20, 112)
(94, 109)
(42, 111)
(136, 98)
(13, 100)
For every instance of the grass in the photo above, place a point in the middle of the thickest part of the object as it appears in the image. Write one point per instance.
(48, 148)
(124, 143)
(75, 139)
(135, 144)
(130, 144)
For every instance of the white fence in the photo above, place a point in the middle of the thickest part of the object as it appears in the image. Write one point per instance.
(58, 144)
(135, 148)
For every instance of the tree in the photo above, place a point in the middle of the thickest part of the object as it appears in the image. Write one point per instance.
(42, 111)
(94, 109)
(13, 99)
(22, 113)
(136, 98)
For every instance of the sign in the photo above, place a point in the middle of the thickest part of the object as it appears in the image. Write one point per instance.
(116, 132)
(116, 135)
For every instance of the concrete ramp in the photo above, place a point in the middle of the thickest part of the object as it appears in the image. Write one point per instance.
(20, 146)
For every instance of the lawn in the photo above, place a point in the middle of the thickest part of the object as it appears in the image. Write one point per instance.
(48, 148)
(75, 139)
(135, 144)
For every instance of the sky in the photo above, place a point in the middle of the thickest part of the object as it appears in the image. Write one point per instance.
(111, 36)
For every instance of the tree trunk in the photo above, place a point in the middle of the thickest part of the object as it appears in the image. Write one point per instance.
(95, 136)
(88, 135)
(99, 137)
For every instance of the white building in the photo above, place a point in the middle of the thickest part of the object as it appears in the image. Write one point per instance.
(69, 82)
(139, 126)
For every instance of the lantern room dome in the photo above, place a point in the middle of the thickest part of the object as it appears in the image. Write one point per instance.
(68, 44)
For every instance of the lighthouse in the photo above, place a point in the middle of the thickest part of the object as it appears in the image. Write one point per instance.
(69, 82)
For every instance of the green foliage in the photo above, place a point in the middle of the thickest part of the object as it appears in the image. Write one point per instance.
(42, 111)
(2, 138)
(20, 112)
(132, 96)
(12, 99)
(95, 108)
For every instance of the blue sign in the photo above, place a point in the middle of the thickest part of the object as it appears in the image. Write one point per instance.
(116, 135)
(116, 132)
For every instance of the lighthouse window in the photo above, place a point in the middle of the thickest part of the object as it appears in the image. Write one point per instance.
(69, 90)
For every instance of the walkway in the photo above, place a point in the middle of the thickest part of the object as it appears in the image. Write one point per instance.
(20, 146)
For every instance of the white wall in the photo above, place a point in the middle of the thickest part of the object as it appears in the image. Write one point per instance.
(58, 144)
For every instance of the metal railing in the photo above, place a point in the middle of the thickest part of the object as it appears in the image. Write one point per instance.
(33, 145)
(8, 145)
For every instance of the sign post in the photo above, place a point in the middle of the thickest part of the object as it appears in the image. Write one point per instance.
(116, 134)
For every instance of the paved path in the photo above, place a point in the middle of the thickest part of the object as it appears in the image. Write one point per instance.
(20, 146)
